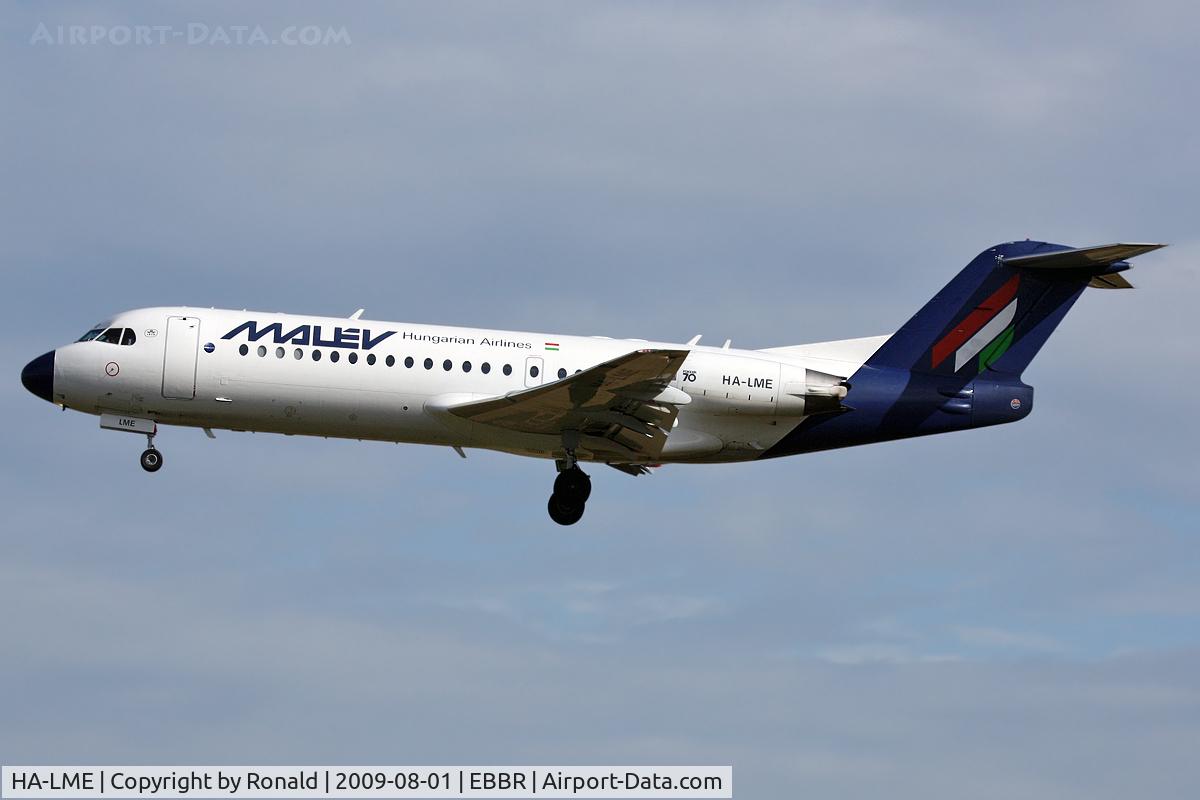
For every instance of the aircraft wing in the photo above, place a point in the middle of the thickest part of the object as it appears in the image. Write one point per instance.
(621, 409)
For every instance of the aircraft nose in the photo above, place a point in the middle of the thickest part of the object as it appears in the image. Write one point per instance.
(38, 376)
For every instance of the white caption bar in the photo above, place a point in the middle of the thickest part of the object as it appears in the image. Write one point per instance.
(35, 783)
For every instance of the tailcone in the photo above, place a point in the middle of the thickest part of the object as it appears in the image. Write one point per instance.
(1000, 401)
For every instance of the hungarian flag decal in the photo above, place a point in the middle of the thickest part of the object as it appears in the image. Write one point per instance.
(987, 332)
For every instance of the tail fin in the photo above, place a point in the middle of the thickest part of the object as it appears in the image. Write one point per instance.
(998, 312)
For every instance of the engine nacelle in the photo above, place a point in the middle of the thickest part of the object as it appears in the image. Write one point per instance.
(747, 386)
(721, 383)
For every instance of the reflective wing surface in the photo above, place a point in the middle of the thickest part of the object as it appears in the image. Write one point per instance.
(622, 409)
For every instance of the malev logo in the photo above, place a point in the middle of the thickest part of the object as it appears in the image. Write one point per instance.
(352, 338)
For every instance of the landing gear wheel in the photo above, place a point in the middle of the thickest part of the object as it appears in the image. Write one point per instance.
(573, 484)
(564, 511)
(151, 460)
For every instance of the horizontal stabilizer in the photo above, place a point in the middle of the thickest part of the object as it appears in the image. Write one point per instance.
(1094, 258)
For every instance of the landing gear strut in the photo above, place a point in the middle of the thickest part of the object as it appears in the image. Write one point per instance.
(151, 459)
(572, 488)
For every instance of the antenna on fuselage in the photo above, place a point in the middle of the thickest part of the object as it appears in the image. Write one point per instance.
(692, 341)
(357, 314)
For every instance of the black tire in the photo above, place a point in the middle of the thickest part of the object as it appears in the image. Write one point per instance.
(573, 484)
(564, 511)
(151, 460)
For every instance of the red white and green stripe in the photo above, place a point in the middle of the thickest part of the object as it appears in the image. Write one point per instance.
(984, 334)
(552, 345)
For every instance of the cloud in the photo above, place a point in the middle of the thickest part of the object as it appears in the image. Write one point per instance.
(996, 638)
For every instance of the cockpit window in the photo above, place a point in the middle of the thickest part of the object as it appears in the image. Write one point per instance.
(112, 336)
(92, 334)
(128, 337)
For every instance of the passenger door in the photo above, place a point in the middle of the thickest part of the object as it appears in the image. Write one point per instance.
(179, 358)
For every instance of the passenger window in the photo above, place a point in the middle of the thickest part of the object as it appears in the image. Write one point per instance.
(485, 368)
(244, 349)
(279, 353)
(353, 358)
(466, 366)
(262, 351)
(334, 355)
(128, 338)
(533, 372)
(390, 361)
(428, 363)
(447, 365)
(562, 373)
(299, 354)
(316, 355)
(508, 369)
(408, 361)
(371, 359)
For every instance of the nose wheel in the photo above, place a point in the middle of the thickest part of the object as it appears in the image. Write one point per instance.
(151, 459)
(572, 488)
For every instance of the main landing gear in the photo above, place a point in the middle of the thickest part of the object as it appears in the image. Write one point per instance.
(151, 459)
(571, 490)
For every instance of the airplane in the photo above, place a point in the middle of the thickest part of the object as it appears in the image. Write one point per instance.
(628, 403)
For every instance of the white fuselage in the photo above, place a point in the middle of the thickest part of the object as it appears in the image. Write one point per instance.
(390, 381)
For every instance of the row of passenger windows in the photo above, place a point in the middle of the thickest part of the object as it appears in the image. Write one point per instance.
(409, 362)
(110, 335)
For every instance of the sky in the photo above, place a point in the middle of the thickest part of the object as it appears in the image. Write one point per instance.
(1007, 612)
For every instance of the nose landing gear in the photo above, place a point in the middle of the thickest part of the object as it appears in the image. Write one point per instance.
(572, 488)
(151, 459)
